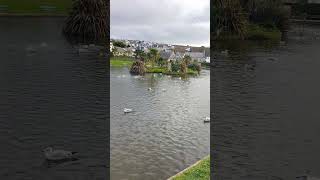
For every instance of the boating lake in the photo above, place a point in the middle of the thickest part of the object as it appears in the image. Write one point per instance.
(266, 103)
(49, 96)
(165, 133)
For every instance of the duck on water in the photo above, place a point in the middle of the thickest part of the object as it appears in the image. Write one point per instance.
(58, 155)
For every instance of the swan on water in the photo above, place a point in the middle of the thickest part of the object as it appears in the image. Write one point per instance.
(164, 90)
(149, 89)
(56, 155)
(127, 110)
(207, 119)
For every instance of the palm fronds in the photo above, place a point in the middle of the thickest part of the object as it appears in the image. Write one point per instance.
(228, 16)
(88, 20)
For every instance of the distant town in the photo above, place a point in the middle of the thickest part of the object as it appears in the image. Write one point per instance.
(167, 52)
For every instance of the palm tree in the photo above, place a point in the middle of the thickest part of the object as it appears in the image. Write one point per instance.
(139, 54)
(187, 59)
(228, 16)
(154, 55)
(88, 20)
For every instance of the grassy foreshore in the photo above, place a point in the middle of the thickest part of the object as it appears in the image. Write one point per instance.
(164, 71)
(255, 32)
(127, 62)
(34, 7)
(198, 171)
(121, 62)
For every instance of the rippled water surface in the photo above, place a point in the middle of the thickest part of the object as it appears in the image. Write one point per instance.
(165, 133)
(266, 101)
(49, 96)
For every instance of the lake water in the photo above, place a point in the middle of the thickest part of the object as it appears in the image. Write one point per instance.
(166, 132)
(49, 96)
(266, 103)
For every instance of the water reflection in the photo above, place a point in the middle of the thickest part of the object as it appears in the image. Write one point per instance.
(265, 101)
(49, 96)
(166, 132)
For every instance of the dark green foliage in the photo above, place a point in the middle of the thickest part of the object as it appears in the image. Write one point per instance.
(228, 16)
(119, 44)
(88, 20)
(195, 67)
(140, 54)
(232, 18)
(187, 59)
(268, 13)
(175, 66)
(161, 62)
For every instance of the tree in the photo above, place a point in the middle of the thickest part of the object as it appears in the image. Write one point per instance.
(161, 61)
(153, 55)
(183, 67)
(87, 21)
(229, 16)
(187, 59)
(139, 54)
(119, 44)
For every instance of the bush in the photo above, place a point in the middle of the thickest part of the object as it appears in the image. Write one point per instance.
(268, 13)
(119, 44)
(87, 21)
(138, 68)
(183, 67)
(175, 66)
(161, 62)
(228, 16)
(195, 67)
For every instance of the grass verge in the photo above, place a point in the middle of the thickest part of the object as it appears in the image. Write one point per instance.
(164, 71)
(198, 171)
(254, 32)
(121, 62)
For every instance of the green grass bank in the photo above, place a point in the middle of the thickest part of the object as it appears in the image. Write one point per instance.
(164, 71)
(254, 32)
(198, 171)
(121, 62)
(35, 7)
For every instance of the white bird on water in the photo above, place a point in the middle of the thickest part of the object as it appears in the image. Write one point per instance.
(149, 89)
(56, 155)
(127, 110)
(207, 119)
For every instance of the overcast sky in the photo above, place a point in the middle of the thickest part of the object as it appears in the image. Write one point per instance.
(167, 21)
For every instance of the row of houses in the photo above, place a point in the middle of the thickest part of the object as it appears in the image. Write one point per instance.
(177, 56)
(167, 52)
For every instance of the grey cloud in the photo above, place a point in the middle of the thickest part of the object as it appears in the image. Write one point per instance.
(161, 21)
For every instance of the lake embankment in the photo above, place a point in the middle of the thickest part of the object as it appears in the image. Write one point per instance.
(199, 171)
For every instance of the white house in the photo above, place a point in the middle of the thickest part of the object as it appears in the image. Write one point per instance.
(111, 46)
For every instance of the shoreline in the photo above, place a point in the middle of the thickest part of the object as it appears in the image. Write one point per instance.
(190, 168)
